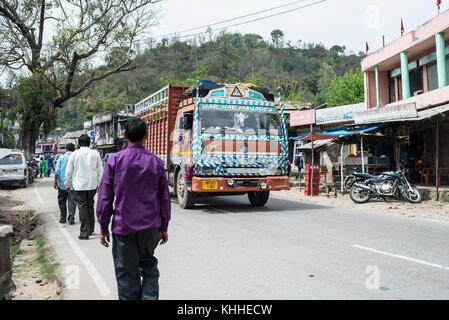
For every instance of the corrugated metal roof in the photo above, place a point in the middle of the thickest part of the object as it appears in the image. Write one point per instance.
(316, 144)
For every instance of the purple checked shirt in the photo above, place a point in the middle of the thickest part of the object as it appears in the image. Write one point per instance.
(136, 179)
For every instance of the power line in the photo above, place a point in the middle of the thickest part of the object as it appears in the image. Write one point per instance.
(244, 22)
(233, 19)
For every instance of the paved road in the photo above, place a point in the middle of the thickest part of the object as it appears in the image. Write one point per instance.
(225, 249)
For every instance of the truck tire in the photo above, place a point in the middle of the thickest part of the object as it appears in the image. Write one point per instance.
(186, 198)
(258, 198)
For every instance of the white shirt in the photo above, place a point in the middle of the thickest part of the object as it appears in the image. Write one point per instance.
(87, 169)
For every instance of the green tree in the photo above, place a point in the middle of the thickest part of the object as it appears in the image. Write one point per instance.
(325, 77)
(348, 89)
(88, 116)
(34, 109)
(277, 36)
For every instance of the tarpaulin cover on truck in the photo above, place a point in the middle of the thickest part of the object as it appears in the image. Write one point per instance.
(205, 87)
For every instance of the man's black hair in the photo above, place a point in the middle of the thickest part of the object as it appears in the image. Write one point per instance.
(70, 147)
(84, 140)
(135, 129)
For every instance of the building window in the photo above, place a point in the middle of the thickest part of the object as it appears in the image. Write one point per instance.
(432, 76)
(416, 85)
(392, 89)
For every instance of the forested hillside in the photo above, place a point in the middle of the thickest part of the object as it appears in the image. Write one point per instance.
(303, 70)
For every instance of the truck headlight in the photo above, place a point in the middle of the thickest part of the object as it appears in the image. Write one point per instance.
(276, 172)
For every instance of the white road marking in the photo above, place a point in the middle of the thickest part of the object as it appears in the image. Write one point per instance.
(38, 195)
(430, 264)
(93, 272)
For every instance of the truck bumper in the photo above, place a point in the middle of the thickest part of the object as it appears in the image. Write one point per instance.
(241, 184)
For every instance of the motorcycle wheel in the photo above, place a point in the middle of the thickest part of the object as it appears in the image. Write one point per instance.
(412, 195)
(347, 183)
(359, 195)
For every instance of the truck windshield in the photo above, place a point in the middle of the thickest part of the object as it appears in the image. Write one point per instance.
(244, 120)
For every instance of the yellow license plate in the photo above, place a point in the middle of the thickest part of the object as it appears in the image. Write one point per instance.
(210, 185)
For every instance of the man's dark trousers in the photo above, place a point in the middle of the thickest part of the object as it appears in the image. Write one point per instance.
(65, 197)
(134, 259)
(85, 200)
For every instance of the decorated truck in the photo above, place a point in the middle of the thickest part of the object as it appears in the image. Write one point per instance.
(218, 139)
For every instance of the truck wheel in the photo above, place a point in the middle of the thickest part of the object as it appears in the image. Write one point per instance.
(186, 198)
(258, 198)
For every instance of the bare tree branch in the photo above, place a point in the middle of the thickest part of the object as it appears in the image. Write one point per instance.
(86, 32)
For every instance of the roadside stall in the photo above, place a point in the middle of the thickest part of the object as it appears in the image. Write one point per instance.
(341, 152)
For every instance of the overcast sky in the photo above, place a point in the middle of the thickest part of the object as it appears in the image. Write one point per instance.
(342, 22)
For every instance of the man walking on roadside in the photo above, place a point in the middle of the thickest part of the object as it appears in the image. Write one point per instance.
(86, 168)
(65, 197)
(135, 179)
(51, 164)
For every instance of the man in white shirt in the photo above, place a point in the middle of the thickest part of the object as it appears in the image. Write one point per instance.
(87, 169)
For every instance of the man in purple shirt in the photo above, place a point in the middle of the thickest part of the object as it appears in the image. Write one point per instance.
(136, 179)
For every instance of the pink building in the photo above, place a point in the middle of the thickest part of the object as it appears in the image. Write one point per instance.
(406, 90)
(411, 69)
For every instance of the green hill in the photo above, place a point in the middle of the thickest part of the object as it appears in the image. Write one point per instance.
(304, 71)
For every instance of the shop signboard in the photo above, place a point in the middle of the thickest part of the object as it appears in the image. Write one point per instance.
(338, 114)
(396, 112)
(302, 118)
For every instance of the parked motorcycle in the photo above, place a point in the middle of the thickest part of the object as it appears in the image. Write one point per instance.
(30, 173)
(33, 170)
(387, 184)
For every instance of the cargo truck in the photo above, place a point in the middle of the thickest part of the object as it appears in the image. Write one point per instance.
(218, 139)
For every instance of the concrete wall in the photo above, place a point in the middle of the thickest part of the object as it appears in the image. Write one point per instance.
(6, 284)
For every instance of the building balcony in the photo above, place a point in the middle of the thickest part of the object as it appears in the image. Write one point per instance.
(427, 99)
(105, 142)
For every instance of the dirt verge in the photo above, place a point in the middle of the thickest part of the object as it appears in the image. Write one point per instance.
(30, 258)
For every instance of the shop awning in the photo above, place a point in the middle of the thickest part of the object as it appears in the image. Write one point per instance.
(348, 132)
(316, 144)
(319, 136)
(336, 134)
(421, 115)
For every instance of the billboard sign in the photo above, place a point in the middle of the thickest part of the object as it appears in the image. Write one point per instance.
(401, 111)
(302, 118)
(338, 114)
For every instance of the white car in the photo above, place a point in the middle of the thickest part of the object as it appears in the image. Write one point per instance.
(13, 168)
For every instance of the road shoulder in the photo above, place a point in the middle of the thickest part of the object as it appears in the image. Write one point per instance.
(429, 209)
